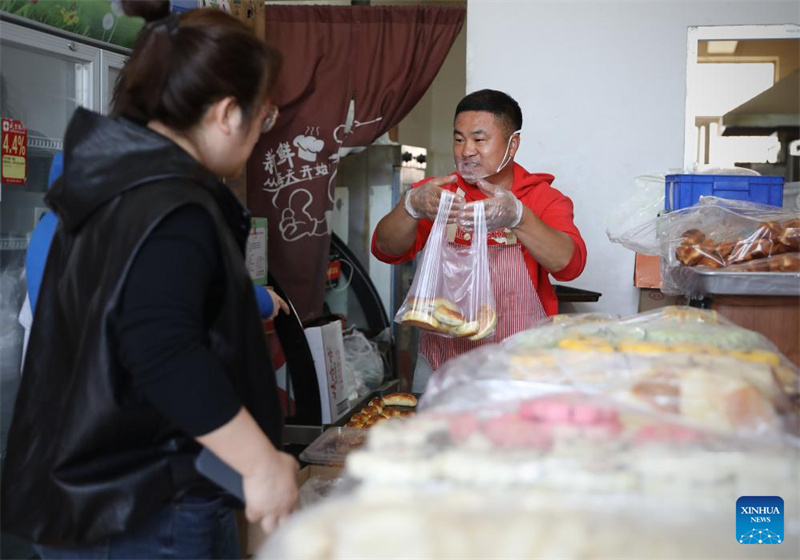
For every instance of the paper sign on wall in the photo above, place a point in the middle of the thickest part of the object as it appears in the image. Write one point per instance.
(256, 252)
(15, 152)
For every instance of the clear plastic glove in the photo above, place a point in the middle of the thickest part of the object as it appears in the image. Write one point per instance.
(271, 492)
(502, 208)
(423, 202)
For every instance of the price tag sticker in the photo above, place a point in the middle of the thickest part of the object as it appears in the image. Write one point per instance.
(15, 152)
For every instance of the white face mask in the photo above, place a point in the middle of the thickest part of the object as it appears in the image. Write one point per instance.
(465, 169)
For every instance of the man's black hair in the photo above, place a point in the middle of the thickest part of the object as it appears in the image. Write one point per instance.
(500, 104)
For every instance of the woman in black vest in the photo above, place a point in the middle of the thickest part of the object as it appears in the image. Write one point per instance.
(147, 342)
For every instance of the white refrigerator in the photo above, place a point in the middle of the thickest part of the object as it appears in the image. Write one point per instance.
(44, 77)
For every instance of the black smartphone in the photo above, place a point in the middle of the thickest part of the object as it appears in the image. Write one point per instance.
(219, 472)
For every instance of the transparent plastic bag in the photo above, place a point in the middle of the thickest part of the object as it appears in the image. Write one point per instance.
(639, 207)
(718, 234)
(451, 294)
(363, 363)
(682, 362)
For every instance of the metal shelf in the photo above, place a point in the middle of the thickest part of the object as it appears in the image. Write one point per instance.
(46, 144)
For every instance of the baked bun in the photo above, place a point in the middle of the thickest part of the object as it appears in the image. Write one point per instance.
(391, 412)
(693, 237)
(790, 236)
(377, 402)
(448, 317)
(400, 399)
(371, 410)
(467, 329)
(487, 318)
(424, 321)
(688, 255)
(424, 305)
(444, 302)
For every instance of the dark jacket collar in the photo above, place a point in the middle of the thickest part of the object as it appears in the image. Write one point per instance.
(104, 157)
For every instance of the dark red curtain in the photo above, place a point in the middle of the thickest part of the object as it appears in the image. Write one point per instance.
(350, 74)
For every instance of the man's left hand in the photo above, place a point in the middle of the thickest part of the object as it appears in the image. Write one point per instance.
(502, 209)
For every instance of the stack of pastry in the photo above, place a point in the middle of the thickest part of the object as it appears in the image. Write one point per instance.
(772, 247)
(442, 316)
(380, 409)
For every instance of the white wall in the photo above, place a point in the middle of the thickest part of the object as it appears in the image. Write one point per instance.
(430, 123)
(601, 85)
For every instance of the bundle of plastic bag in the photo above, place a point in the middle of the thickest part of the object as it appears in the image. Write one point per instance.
(363, 364)
(451, 294)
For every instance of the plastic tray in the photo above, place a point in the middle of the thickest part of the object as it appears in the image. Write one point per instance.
(682, 191)
(711, 282)
(333, 446)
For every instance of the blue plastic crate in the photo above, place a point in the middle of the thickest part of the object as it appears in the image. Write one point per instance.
(686, 190)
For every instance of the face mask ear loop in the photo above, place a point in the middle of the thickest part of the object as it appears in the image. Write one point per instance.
(508, 149)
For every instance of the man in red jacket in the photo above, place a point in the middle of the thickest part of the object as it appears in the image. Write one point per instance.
(531, 224)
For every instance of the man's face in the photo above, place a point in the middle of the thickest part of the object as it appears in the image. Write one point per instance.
(479, 144)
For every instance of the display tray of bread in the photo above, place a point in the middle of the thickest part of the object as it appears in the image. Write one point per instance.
(771, 247)
(381, 408)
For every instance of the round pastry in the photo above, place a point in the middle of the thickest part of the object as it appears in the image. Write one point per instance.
(446, 303)
(420, 304)
(790, 236)
(420, 320)
(785, 263)
(360, 417)
(467, 329)
(371, 410)
(688, 255)
(391, 412)
(377, 402)
(448, 317)
(400, 399)
(761, 249)
(693, 237)
(487, 318)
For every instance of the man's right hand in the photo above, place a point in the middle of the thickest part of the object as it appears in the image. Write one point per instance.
(423, 202)
(270, 491)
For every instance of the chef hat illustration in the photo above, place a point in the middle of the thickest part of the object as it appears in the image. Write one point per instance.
(308, 147)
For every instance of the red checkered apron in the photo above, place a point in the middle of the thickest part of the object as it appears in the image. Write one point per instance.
(518, 306)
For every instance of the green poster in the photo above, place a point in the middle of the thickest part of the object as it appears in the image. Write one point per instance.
(102, 20)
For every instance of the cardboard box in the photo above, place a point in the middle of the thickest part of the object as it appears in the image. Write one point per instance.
(327, 349)
(647, 271)
(256, 251)
(650, 299)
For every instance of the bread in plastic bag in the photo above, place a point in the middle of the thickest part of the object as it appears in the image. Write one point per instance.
(722, 235)
(451, 294)
(548, 476)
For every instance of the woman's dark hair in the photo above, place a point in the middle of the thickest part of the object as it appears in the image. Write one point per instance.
(500, 104)
(183, 64)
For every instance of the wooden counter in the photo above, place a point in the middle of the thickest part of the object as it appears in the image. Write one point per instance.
(776, 317)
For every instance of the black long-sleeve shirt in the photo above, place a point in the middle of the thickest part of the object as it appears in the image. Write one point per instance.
(168, 301)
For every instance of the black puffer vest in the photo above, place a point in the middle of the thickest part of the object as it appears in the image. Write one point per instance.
(86, 457)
